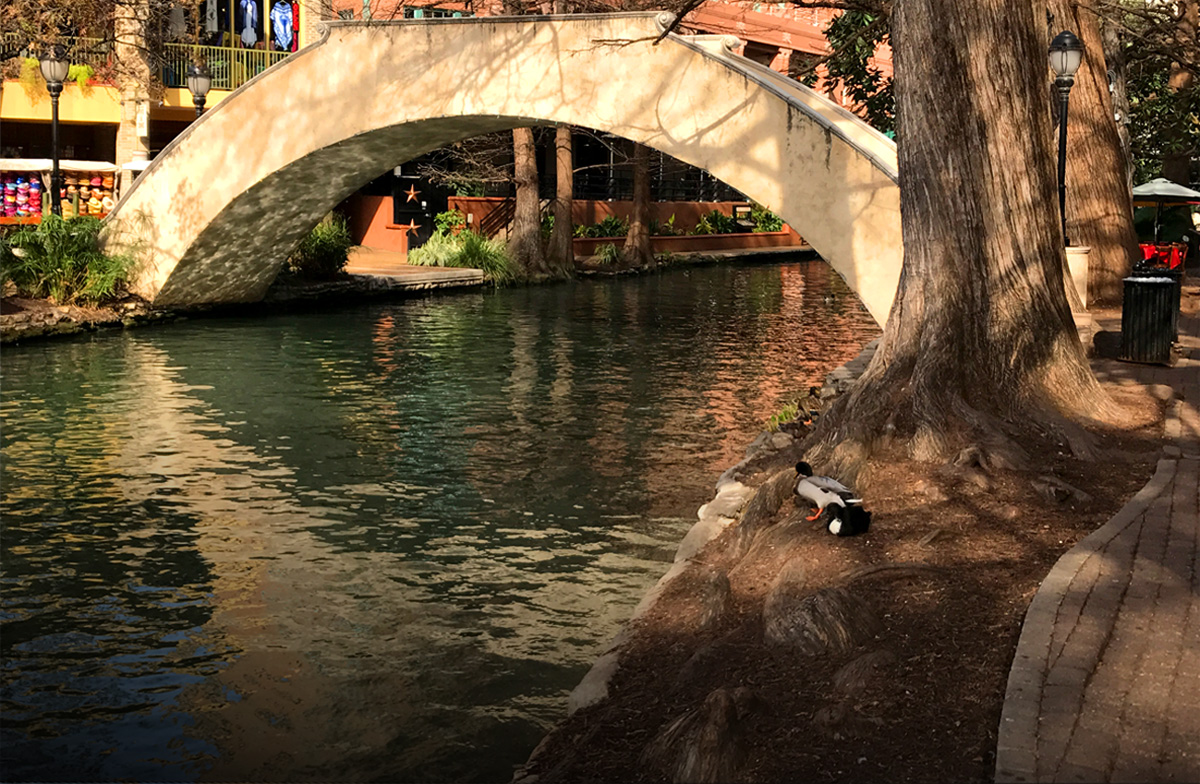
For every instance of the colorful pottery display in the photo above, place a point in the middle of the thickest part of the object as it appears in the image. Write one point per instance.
(26, 195)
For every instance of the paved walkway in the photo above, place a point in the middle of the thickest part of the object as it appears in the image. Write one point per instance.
(390, 264)
(1105, 684)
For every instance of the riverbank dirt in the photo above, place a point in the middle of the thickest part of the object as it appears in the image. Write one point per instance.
(23, 318)
(908, 684)
(972, 549)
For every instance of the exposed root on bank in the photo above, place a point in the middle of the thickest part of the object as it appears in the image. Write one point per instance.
(934, 410)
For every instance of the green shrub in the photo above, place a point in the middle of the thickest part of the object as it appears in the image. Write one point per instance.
(82, 75)
(324, 251)
(449, 222)
(612, 226)
(467, 187)
(547, 225)
(466, 249)
(61, 259)
(440, 250)
(716, 222)
(609, 253)
(785, 414)
(483, 253)
(668, 229)
(764, 219)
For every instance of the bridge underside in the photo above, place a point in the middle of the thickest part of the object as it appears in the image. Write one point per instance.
(216, 214)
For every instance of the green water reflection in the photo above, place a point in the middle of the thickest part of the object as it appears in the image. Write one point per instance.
(377, 543)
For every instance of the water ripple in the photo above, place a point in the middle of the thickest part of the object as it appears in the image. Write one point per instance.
(372, 543)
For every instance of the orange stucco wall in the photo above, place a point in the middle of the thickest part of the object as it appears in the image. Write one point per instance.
(371, 223)
(585, 213)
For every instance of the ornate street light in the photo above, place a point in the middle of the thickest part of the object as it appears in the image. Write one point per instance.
(1066, 54)
(55, 66)
(199, 80)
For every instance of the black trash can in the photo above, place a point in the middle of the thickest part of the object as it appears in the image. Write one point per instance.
(1176, 275)
(1146, 319)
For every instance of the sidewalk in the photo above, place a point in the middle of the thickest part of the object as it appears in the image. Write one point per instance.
(1105, 683)
(390, 264)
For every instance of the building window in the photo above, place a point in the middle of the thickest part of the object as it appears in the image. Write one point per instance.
(411, 12)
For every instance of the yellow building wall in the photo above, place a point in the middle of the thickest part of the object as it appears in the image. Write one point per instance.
(99, 105)
(177, 104)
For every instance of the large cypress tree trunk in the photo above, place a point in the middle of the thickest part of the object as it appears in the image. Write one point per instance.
(525, 238)
(561, 249)
(1177, 163)
(1099, 201)
(980, 348)
(1114, 58)
(637, 251)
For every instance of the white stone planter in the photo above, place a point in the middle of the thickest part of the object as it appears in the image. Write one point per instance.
(1077, 264)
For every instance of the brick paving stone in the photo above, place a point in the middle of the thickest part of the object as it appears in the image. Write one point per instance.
(1080, 773)
(1109, 656)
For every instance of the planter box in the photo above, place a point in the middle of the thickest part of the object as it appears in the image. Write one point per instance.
(695, 243)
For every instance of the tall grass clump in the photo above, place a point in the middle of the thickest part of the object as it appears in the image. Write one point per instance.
(323, 253)
(483, 253)
(610, 254)
(62, 260)
(440, 250)
(466, 248)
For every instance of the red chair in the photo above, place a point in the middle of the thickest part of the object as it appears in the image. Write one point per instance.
(1166, 255)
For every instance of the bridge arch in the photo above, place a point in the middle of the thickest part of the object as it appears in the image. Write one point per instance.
(215, 215)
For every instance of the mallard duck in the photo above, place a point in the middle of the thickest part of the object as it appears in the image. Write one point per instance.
(812, 405)
(846, 515)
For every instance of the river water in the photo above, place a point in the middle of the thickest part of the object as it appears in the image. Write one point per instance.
(372, 543)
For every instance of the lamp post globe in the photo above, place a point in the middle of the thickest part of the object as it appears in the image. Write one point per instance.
(1066, 55)
(55, 66)
(199, 82)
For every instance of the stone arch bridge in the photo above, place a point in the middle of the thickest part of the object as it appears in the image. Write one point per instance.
(215, 215)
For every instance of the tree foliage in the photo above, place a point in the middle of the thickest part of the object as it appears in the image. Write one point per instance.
(854, 37)
(1161, 60)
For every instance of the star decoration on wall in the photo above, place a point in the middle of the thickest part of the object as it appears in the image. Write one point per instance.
(412, 226)
(411, 193)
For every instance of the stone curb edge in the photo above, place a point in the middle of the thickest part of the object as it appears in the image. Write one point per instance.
(1016, 745)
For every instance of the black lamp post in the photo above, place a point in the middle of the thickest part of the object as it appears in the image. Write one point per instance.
(1066, 53)
(55, 66)
(199, 80)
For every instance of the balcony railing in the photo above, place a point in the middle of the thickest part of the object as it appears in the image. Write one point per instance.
(87, 51)
(230, 68)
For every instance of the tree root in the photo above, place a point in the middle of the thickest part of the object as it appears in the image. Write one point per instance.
(890, 570)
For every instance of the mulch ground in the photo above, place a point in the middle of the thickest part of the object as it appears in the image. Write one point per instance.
(949, 627)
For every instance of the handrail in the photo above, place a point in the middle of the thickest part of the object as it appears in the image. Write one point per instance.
(869, 141)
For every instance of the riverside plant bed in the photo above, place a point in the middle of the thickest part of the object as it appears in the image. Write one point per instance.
(24, 318)
(589, 266)
(782, 653)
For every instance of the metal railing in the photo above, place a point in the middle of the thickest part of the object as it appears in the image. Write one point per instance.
(230, 68)
(85, 51)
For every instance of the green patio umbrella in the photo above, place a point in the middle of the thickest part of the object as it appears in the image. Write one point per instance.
(1162, 191)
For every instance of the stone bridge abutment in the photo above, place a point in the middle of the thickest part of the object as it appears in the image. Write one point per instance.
(216, 214)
